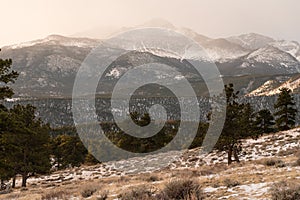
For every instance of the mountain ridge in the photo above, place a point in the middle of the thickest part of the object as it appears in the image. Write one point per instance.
(50, 64)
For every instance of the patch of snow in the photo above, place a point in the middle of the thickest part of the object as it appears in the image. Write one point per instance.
(115, 73)
(57, 39)
(291, 47)
(12, 99)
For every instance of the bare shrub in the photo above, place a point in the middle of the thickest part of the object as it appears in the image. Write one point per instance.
(297, 154)
(88, 190)
(230, 183)
(138, 193)
(102, 195)
(297, 163)
(186, 189)
(55, 194)
(153, 178)
(274, 162)
(285, 191)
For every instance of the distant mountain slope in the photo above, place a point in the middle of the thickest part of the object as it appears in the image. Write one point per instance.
(291, 47)
(222, 50)
(48, 66)
(264, 61)
(273, 87)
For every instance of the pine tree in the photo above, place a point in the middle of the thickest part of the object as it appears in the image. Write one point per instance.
(27, 143)
(238, 125)
(6, 169)
(6, 76)
(264, 122)
(286, 112)
(23, 138)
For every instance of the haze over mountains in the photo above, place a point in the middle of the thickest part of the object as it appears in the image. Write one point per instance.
(256, 64)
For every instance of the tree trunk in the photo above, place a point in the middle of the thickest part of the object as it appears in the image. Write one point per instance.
(236, 156)
(229, 155)
(286, 118)
(24, 179)
(13, 182)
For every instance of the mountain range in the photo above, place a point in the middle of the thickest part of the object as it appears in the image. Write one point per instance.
(256, 64)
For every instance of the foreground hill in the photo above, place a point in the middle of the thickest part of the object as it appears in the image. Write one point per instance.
(268, 160)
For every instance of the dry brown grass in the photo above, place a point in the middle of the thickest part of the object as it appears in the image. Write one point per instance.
(214, 176)
(56, 194)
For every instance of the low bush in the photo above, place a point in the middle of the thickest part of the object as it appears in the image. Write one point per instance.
(152, 178)
(55, 194)
(186, 189)
(138, 193)
(297, 154)
(230, 183)
(297, 163)
(284, 191)
(280, 164)
(102, 195)
(88, 190)
(274, 162)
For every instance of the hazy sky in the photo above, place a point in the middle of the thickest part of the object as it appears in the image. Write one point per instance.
(24, 20)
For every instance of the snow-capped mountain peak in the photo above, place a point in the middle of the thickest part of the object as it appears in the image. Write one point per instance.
(270, 54)
(57, 40)
(251, 40)
(291, 47)
(249, 54)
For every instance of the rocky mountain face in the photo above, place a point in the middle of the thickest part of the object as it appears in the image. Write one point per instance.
(272, 87)
(48, 66)
(257, 65)
(251, 41)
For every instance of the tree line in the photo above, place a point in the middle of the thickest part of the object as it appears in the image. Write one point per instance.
(241, 122)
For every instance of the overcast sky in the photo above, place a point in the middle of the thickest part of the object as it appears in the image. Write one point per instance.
(24, 20)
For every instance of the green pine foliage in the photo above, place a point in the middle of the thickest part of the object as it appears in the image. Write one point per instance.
(91, 160)
(264, 122)
(286, 111)
(6, 76)
(67, 151)
(6, 170)
(26, 143)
